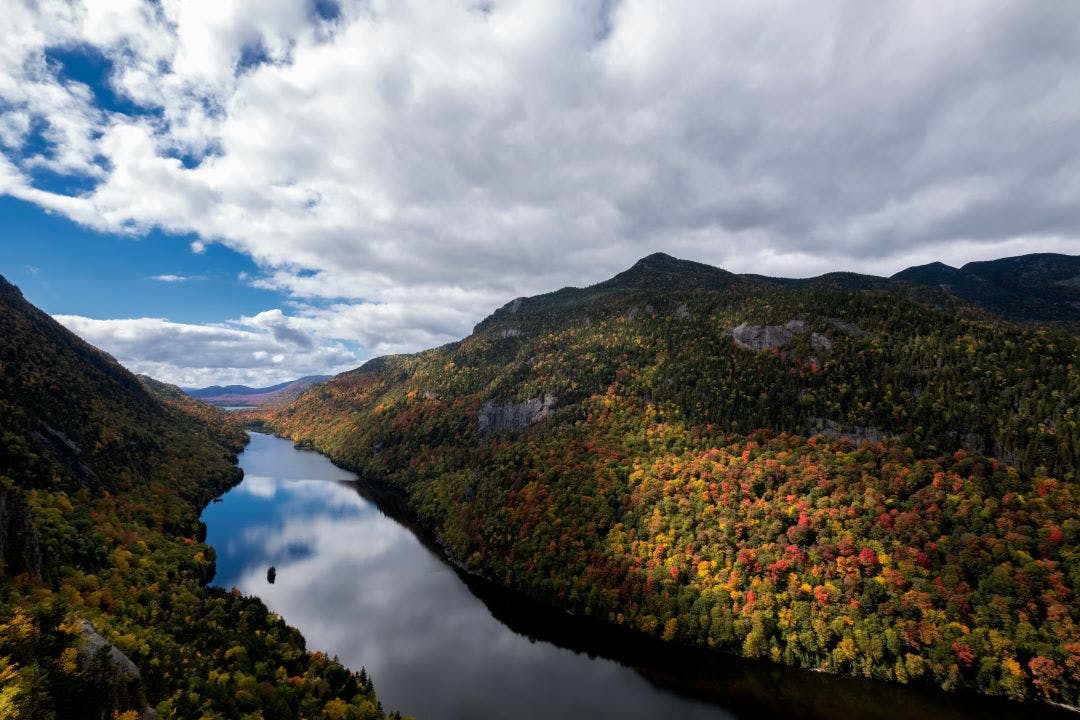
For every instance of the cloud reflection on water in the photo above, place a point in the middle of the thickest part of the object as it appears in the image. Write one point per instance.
(362, 587)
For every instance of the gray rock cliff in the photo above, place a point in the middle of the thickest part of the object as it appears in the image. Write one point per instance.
(504, 418)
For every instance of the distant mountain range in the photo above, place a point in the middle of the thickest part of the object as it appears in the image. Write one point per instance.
(1042, 288)
(244, 395)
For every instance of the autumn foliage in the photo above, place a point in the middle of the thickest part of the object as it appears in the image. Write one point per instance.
(716, 495)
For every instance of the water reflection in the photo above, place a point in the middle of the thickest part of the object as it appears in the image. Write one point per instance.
(362, 587)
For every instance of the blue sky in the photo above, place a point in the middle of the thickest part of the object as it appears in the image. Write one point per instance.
(66, 269)
(335, 180)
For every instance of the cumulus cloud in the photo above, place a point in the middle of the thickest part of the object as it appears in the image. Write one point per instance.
(404, 167)
(171, 278)
(252, 351)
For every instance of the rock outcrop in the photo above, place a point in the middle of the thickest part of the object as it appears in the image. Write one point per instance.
(505, 418)
(820, 343)
(777, 337)
(111, 667)
(765, 337)
(848, 328)
(64, 451)
(854, 433)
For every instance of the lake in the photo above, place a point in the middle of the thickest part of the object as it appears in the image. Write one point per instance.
(361, 585)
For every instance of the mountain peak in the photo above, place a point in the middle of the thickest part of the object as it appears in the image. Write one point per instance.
(661, 267)
(1040, 287)
(658, 259)
(934, 273)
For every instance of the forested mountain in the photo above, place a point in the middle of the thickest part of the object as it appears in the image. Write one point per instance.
(102, 478)
(1041, 288)
(847, 473)
(244, 395)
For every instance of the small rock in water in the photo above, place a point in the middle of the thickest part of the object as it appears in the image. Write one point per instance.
(271, 575)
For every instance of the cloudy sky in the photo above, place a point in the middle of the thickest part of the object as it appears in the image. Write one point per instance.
(252, 190)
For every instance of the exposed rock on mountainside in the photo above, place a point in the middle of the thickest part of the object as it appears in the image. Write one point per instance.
(93, 642)
(847, 328)
(833, 429)
(765, 337)
(62, 449)
(787, 469)
(496, 418)
(775, 337)
(102, 478)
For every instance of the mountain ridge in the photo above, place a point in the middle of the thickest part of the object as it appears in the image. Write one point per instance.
(846, 473)
(102, 478)
(1031, 302)
(245, 395)
(1034, 288)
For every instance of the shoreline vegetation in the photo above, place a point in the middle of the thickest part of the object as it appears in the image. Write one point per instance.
(736, 683)
(698, 667)
(844, 474)
(103, 477)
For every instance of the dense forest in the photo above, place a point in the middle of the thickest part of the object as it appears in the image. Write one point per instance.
(104, 609)
(848, 473)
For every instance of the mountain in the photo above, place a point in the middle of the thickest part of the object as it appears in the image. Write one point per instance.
(853, 474)
(1041, 288)
(244, 395)
(102, 479)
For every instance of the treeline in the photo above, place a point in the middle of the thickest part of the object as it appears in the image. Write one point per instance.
(102, 478)
(711, 494)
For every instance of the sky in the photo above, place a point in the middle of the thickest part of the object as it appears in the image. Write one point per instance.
(248, 191)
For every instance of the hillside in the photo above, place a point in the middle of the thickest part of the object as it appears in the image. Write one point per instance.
(102, 478)
(1039, 288)
(844, 473)
(243, 395)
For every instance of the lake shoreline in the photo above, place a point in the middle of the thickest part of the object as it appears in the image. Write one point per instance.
(745, 685)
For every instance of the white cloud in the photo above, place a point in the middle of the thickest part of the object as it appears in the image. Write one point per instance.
(171, 278)
(251, 351)
(419, 163)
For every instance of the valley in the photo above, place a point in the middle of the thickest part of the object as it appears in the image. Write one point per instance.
(837, 474)
(670, 469)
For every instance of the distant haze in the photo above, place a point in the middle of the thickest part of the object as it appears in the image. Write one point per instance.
(238, 395)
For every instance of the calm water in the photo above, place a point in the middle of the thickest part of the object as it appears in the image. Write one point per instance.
(361, 586)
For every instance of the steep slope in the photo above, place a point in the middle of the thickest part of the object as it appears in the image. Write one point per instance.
(102, 478)
(244, 395)
(1041, 288)
(845, 473)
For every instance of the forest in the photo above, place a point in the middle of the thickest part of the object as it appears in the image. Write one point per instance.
(102, 479)
(847, 474)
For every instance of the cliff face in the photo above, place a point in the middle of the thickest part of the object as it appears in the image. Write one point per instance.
(506, 418)
(783, 468)
(107, 667)
(776, 337)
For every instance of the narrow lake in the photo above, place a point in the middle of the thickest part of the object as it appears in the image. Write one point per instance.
(362, 586)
